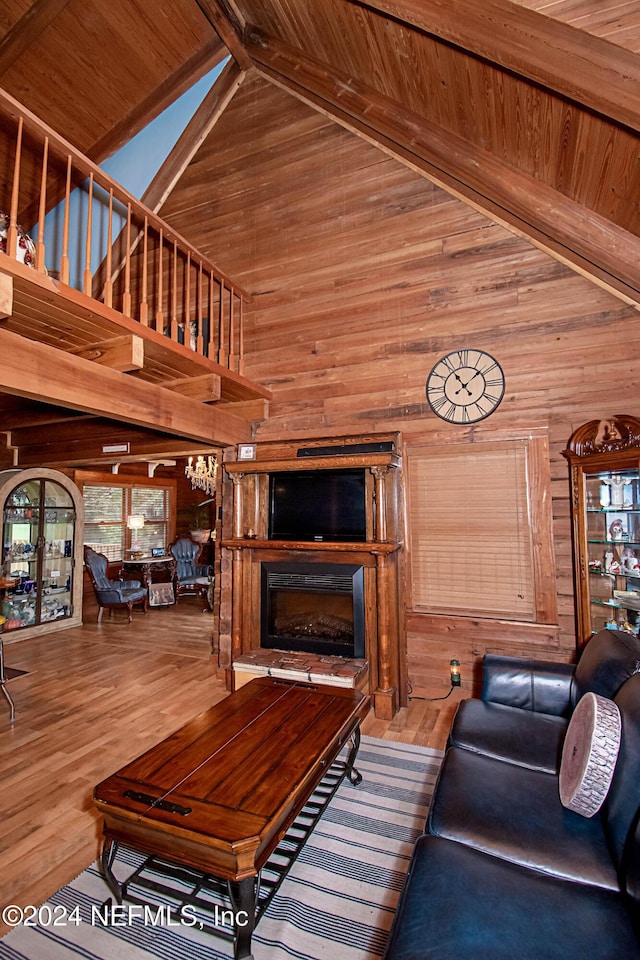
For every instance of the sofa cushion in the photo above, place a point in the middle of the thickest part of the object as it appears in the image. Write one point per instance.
(609, 658)
(508, 733)
(620, 810)
(515, 813)
(589, 754)
(459, 903)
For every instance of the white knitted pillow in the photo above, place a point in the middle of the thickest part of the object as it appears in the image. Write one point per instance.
(589, 754)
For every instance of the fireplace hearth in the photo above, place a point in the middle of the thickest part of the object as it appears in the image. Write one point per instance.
(313, 608)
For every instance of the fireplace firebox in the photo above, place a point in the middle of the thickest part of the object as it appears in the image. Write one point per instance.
(313, 608)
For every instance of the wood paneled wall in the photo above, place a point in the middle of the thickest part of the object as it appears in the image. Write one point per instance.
(363, 274)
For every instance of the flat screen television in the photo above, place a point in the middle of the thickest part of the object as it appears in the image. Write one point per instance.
(318, 505)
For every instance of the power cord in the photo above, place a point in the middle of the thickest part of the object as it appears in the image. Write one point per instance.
(432, 698)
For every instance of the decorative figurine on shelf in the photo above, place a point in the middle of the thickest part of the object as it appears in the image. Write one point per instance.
(630, 562)
(616, 484)
(616, 530)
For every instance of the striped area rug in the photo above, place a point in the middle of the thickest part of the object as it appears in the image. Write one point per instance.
(338, 899)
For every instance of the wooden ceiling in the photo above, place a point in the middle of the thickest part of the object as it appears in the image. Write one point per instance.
(529, 110)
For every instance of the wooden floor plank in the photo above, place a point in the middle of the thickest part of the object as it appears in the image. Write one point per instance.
(94, 698)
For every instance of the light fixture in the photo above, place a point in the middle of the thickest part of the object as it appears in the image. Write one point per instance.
(203, 473)
(454, 666)
(135, 522)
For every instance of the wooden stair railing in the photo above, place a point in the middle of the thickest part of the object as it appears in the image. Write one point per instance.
(150, 273)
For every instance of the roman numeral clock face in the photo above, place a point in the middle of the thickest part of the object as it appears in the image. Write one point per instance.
(465, 386)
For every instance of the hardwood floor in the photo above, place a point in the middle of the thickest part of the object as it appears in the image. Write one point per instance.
(95, 697)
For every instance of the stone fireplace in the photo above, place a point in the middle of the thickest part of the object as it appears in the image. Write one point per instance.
(313, 607)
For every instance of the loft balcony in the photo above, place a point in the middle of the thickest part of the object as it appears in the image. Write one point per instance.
(105, 310)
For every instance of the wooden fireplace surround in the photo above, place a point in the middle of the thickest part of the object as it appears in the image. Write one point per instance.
(385, 646)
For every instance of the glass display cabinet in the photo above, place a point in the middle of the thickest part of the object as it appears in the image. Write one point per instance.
(604, 458)
(41, 551)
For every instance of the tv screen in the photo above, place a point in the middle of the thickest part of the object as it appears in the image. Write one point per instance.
(318, 505)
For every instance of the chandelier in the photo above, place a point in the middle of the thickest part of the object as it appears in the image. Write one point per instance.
(203, 473)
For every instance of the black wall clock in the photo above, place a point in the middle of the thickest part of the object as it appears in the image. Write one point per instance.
(465, 386)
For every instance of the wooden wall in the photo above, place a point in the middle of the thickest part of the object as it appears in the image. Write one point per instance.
(363, 275)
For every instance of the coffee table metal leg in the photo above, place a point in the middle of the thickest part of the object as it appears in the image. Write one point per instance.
(354, 776)
(109, 851)
(244, 895)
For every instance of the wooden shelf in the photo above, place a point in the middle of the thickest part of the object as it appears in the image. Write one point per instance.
(371, 546)
(313, 463)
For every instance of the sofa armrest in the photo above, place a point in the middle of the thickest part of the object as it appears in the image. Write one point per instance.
(539, 685)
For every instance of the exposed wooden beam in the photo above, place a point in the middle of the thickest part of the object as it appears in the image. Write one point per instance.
(123, 353)
(6, 296)
(27, 30)
(206, 388)
(86, 453)
(41, 372)
(16, 413)
(173, 87)
(600, 75)
(225, 21)
(579, 237)
(187, 145)
(193, 136)
(250, 409)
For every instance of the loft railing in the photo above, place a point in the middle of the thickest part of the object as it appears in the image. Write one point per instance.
(88, 232)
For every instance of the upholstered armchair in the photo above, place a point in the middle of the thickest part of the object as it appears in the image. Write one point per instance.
(187, 554)
(112, 593)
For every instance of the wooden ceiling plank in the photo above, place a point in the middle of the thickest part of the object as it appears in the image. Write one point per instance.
(596, 247)
(27, 29)
(35, 371)
(206, 388)
(124, 353)
(587, 69)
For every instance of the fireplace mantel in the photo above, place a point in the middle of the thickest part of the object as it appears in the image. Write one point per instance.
(250, 547)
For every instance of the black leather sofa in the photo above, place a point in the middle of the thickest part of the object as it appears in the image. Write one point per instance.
(504, 871)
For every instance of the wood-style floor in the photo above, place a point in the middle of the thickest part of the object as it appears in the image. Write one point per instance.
(94, 698)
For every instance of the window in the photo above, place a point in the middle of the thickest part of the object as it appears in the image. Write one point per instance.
(481, 530)
(107, 507)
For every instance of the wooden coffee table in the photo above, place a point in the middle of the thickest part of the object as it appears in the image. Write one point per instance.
(219, 794)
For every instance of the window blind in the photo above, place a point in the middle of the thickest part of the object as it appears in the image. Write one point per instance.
(470, 530)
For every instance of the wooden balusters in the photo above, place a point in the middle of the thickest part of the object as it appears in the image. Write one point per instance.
(159, 294)
(144, 280)
(211, 352)
(64, 259)
(222, 353)
(126, 296)
(108, 286)
(201, 296)
(174, 294)
(199, 336)
(241, 336)
(12, 232)
(88, 278)
(42, 209)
